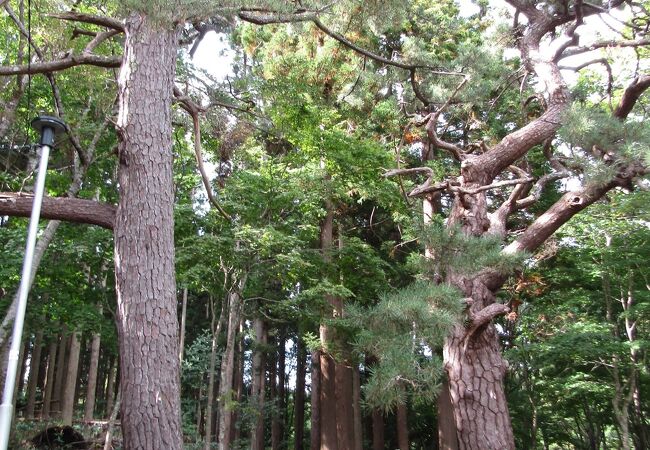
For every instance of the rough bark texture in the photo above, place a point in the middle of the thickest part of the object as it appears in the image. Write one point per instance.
(57, 390)
(356, 406)
(147, 321)
(447, 438)
(67, 405)
(59, 208)
(34, 369)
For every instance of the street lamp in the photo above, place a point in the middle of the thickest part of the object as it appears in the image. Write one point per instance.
(49, 127)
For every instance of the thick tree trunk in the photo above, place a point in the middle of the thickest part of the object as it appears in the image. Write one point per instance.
(258, 383)
(315, 387)
(299, 396)
(378, 430)
(147, 321)
(34, 369)
(227, 363)
(344, 392)
(274, 400)
(281, 398)
(356, 406)
(67, 405)
(402, 427)
(238, 383)
(328, 433)
(91, 387)
(447, 436)
(49, 380)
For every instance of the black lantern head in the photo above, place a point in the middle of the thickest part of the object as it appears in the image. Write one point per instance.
(49, 127)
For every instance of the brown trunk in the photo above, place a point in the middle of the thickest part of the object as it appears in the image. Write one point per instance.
(34, 369)
(183, 319)
(328, 432)
(67, 406)
(57, 392)
(344, 392)
(91, 388)
(110, 387)
(239, 383)
(447, 439)
(49, 380)
(281, 391)
(402, 427)
(147, 323)
(274, 401)
(211, 376)
(315, 400)
(356, 406)
(377, 429)
(258, 383)
(227, 364)
(299, 397)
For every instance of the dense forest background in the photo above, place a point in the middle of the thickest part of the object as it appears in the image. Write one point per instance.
(336, 245)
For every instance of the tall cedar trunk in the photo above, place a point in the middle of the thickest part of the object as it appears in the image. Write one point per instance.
(356, 406)
(239, 383)
(402, 427)
(91, 387)
(147, 321)
(344, 411)
(328, 434)
(227, 363)
(315, 374)
(67, 405)
(258, 383)
(211, 377)
(57, 392)
(181, 345)
(299, 396)
(274, 400)
(447, 439)
(110, 387)
(377, 429)
(49, 380)
(281, 391)
(34, 370)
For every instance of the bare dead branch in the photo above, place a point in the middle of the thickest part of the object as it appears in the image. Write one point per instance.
(606, 44)
(394, 172)
(99, 38)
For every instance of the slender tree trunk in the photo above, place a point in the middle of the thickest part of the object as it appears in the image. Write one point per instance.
(344, 392)
(239, 384)
(91, 388)
(402, 427)
(147, 323)
(110, 388)
(49, 380)
(258, 383)
(183, 319)
(356, 406)
(215, 327)
(378, 430)
(67, 407)
(315, 400)
(227, 364)
(34, 370)
(108, 440)
(274, 399)
(280, 391)
(299, 397)
(61, 358)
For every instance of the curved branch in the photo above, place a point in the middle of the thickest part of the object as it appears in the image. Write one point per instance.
(62, 64)
(631, 95)
(102, 21)
(59, 208)
(193, 110)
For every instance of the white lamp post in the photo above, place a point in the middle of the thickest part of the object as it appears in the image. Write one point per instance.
(48, 127)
